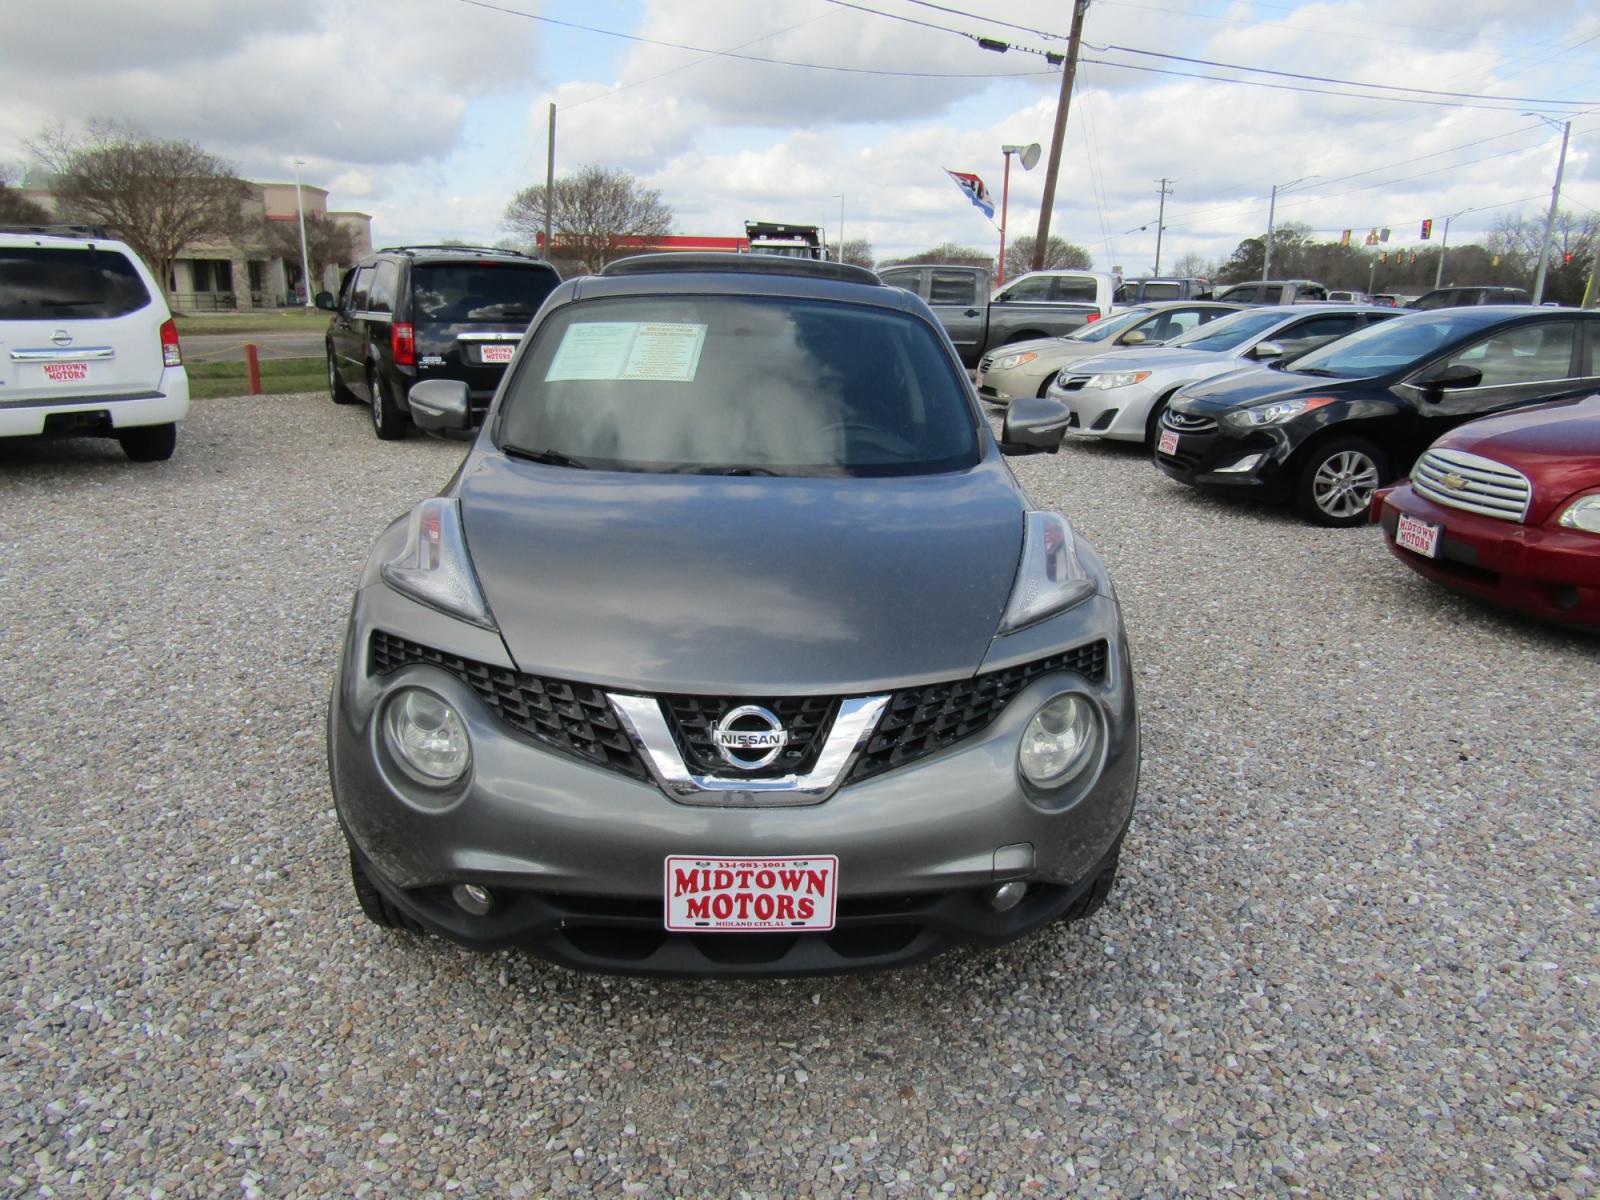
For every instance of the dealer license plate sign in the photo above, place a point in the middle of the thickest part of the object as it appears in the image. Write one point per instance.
(751, 895)
(499, 352)
(1418, 536)
(67, 372)
(1168, 443)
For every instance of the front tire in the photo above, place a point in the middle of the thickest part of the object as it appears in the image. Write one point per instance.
(1048, 380)
(375, 906)
(1152, 423)
(1336, 482)
(149, 443)
(1093, 900)
(388, 422)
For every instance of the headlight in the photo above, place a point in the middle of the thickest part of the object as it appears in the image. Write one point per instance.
(1062, 738)
(1277, 412)
(1050, 577)
(434, 568)
(1013, 360)
(1583, 513)
(1116, 379)
(427, 736)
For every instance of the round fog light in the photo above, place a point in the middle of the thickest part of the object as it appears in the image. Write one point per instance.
(1061, 739)
(427, 736)
(1007, 896)
(471, 898)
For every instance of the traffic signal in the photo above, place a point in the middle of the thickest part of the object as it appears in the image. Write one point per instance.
(1427, 229)
(1383, 256)
(1344, 238)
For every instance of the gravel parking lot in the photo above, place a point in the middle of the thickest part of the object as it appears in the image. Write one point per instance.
(1354, 951)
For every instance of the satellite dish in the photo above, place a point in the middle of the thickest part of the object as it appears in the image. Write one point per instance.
(1030, 156)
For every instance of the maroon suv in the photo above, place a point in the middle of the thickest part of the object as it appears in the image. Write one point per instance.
(1507, 508)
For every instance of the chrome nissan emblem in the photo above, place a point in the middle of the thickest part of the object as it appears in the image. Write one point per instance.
(749, 737)
(61, 337)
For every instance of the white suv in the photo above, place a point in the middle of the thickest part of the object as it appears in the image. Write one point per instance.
(88, 347)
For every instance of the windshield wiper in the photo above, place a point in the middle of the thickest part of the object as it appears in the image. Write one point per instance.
(550, 458)
(726, 471)
(1323, 371)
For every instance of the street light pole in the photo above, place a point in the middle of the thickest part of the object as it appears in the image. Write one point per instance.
(1028, 156)
(1272, 212)
(1444, 244)
(550, 186)
(1161, 220)
(305, 259)
(840, 256)
(1550, 219)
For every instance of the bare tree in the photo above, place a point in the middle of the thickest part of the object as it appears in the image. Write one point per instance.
(157, 194)
(1058, 255)
(1193, 266)
(857, 252)
(592, 210)
(17, 209)
(1517, 240)
(946, 252)
(328, 243)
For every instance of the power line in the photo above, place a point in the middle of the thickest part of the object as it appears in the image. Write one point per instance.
(779, 62)
(956, 12)
(986, 43)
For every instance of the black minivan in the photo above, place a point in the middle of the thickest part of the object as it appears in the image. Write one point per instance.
(409, 313)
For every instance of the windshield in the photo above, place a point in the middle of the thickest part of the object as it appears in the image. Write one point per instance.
(457, 292)
(1391, 345)
(1227, 333)
(40, 284)
(739, 385)
(1099, 331)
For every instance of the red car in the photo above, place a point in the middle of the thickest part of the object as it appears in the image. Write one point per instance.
(1507, 508)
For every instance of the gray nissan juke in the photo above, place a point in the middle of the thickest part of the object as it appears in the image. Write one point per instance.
(733, 646)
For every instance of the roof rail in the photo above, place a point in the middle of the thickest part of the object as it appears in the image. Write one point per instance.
(82, 231)
(458, 249)
(740, 264)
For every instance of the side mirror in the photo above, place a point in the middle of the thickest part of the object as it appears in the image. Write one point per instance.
(1133, 337)
(441, 405)
(1034, 425)
(1265, 350)
(1456, 375)
(324, 300)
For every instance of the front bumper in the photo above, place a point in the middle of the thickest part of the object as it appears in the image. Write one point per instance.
(1549, 573)
(1219, 457)
(1115, 413)
(574, 852)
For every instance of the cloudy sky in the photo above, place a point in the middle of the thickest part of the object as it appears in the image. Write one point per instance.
(430, 114)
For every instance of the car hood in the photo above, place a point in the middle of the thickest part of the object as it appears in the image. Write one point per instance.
(1154, 358)
(1557, 446)
(738, 585)
(1254, 385)
(1054, 350)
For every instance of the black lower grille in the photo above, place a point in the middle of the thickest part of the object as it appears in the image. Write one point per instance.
(571, 717)
(806, 719)
(922, 721)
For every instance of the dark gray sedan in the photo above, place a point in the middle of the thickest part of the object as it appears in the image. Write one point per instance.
(733, 646)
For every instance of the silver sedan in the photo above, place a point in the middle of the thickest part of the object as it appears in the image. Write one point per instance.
(1122, 396)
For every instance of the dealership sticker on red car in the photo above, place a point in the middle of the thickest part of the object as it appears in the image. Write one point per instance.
(745, 895)
(1168, 443)
(66, 372)
(499, 353)
(1418, 536)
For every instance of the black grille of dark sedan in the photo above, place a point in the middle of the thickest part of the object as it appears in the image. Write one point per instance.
(570, 717)
(806, 720)
(921, 721)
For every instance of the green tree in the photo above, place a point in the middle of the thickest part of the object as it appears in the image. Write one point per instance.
(592, 210)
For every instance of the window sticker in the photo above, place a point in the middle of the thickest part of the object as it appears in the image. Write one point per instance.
(642, 350)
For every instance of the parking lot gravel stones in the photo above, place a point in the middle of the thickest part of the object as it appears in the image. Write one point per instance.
(1353, 953)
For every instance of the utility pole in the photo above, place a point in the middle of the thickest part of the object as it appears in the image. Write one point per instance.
(1161, 220)
(1063, 103)
(305, 259)
(1444, 244)
(1550, 220)
(1272, 212)
(550, 187)
(839, 257)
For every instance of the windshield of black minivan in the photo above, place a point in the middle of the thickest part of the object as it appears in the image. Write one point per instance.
(731, 384)
(479, 291)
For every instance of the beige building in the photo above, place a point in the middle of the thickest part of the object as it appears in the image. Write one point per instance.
(247, 273)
